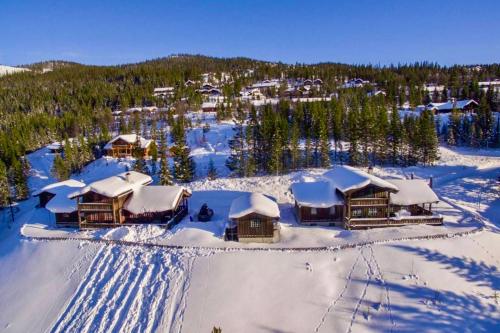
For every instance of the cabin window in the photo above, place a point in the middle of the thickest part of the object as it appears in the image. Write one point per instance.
(314, 211)
(372, 212)
(255, 223)
(357, 212)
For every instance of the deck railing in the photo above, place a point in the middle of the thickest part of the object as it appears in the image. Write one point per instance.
(95, 207)
(381, 222)
(369, 202)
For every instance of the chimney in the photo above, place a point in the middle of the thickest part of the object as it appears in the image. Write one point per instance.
(127, 177)
(430, 182)
(370, 169)
(412, 175)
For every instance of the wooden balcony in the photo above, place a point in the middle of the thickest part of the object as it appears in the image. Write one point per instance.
(369, 202)
(95, 207)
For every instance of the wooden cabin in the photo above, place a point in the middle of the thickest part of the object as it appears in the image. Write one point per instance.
(317, 204)
(253, 218)
(356, 199)
(126, 199)
(467, 105)
(56, 199)
(209, 107)
(125, 144)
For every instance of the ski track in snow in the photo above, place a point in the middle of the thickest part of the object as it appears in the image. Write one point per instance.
(384, 284)
(128, 290)
(369, 274)
(339, 297)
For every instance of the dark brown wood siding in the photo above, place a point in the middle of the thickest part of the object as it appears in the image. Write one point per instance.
(44, 198)
(322, 214)
(247, 229)
(67, 219)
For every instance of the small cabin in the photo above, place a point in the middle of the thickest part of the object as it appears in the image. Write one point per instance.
(56, 199)
(125, 144)
(353, 198)
(209, 107)
(253, 217)
(127, 199)
(317, 204)
(414, 199)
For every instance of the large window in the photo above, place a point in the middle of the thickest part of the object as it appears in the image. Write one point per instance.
(372, 212)
(356, 212)
(255, 223)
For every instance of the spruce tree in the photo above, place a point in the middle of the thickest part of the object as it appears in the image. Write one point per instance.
(212, 171)
(428, 141)
(395, 137)
(295, 147)
(4, 186)
(324, 146)
(165, 175)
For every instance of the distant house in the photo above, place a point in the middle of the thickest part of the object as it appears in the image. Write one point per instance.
(126, 199)
(209, 106)
(124, 145)
(55, 147)
(164, 92)
(374, 93)
(253, 218)
(352, 198)
(355, 83)
(55, 198)
(189, 83)
(494, 84)
(467, 105)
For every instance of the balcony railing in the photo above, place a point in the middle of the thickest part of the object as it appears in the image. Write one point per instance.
(95, 207)
(369, 202)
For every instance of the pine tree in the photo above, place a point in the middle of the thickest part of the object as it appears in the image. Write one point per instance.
(353, 136)
(165, 175)
(184, 166)
(395, 137)
(138, 153)
(428, 141)
(4, 186)
(153, 152)
(295, 146)
(60, 169)
(275, 165)
(212, 171)
(236, 161)
(19, 179)
(324, 146)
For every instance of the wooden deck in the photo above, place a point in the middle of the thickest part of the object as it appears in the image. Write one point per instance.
(393, 222)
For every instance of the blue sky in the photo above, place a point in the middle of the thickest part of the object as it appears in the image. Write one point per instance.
(358, 31)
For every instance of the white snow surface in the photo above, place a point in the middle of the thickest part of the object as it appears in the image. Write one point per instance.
(446, 284)
(412, 192)
(318, 194)
(154, 199)
(346, 178)
(256, 203)
(116, 185)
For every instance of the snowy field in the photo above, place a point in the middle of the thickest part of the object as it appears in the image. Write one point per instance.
(314, 280)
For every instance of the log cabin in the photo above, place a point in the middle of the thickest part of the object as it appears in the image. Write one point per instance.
(466, 105)
(124, 145)
(126, 199)
(352, 198)
(55, 198)
(253, 218)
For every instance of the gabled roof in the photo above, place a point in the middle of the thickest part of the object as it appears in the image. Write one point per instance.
(61, 202)
(115, 186)
(412, 192)
(129, 138)
(450, 105)
(59, 187)
(346, 179)
(256, 203)
(153, 199)
(319, 194)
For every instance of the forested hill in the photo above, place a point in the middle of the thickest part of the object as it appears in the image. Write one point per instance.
(59, 99)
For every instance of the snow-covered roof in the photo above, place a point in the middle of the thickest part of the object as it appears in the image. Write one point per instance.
(129, 138)
(61, 203)
(205, 105)
(163, 89)
(346, 178)
(154, 199)
(316, 194)
(412, 192)
(451, 105)
(56, 188)
(116, 185)
(256, 203)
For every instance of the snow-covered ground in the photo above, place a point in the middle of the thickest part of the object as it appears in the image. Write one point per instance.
(387, 283)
